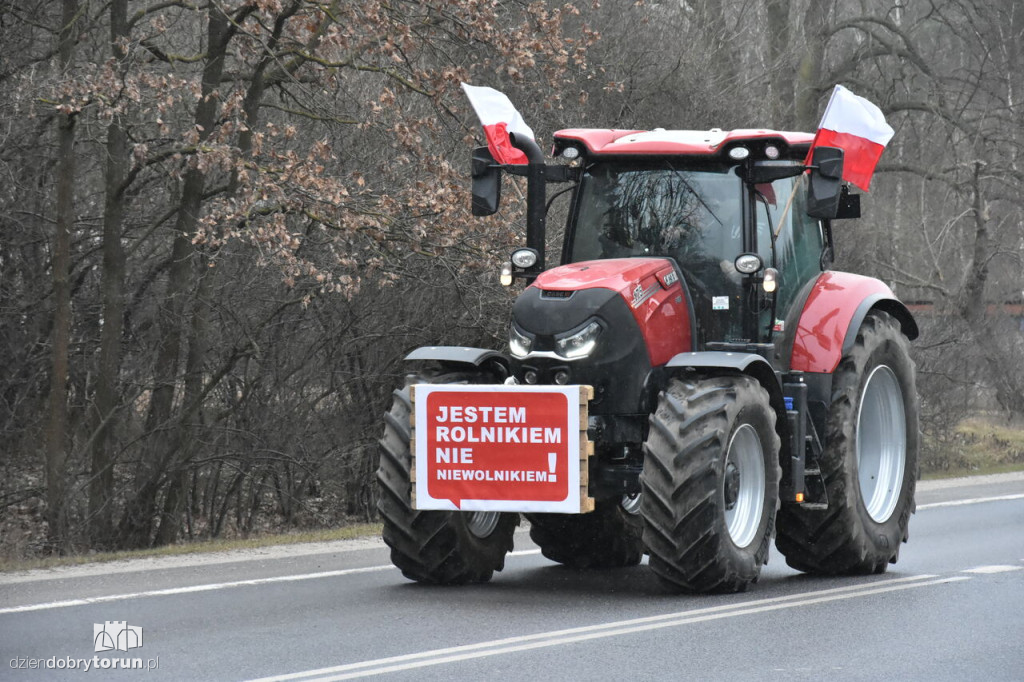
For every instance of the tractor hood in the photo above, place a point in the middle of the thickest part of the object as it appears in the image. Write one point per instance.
(621, 275)
(651, 289)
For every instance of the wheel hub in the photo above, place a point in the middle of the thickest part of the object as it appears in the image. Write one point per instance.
(482, 524)
(881, 443)
(631, 503)
(732, 485)
(743, 485)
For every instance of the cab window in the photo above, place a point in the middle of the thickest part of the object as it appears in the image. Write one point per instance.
(799, 240)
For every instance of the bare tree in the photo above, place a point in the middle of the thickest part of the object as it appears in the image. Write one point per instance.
(57, 437)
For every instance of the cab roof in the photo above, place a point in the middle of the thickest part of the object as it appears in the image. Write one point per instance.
(661, 142)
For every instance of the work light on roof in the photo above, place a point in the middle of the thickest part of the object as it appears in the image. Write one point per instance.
(771, 151)
(739, 153)
(570, 152)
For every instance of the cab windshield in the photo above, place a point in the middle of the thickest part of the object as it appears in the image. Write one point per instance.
(691, 215)
(695, 215)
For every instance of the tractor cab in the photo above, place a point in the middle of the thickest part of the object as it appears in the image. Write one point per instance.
(730, 210)
(725, 207)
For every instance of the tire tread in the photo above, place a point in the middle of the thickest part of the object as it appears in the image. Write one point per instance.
(684, 529)
(837, 541)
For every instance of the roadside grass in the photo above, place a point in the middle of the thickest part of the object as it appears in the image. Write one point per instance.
(976, 446)
(196, 547)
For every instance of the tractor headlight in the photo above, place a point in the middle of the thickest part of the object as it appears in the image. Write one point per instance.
(579, 344)
(519, 343)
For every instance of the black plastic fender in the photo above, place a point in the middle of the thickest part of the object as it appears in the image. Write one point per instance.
(886, 304)
(461, 355)
(746, 363)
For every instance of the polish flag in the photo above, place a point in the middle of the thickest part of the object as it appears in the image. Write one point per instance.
(499, 118)
(858, 127)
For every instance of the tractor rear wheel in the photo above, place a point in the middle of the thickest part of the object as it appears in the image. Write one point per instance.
(439, 547)
(710, 484)
(869, 463)
(608, 537)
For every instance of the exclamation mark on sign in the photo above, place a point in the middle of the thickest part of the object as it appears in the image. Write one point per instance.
(552, 461)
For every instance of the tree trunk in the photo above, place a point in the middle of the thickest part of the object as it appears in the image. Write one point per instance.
(808, 73)
(140, 514)
(56, 435)
(721, 41)
(170, 518)
(104, 418)
(973, 306)
(972, 301)
(780, 64)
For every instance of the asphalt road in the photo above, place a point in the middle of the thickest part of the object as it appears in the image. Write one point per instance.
(951, 609)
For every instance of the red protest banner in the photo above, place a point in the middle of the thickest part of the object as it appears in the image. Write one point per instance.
(497, 447)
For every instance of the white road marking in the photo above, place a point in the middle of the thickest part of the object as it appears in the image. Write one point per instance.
(191, 589)
(306, 549)
(975, 500)
(964, 481)
(993, 569)
(351, 571)
(212, 586)
(137, 565)
(333, 574)
(611, 629)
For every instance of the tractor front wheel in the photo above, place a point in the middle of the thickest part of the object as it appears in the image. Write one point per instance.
(608, 537)
(440, 547)
(710, 484)
(869, 463)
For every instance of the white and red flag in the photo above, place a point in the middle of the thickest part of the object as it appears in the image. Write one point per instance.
(499, 118)
(858, 127)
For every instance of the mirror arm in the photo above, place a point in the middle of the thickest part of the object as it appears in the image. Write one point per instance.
(536, 195)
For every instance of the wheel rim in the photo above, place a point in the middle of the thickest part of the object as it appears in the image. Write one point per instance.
(881, 443)
(482, 524)
(631, 503)
(743, 485)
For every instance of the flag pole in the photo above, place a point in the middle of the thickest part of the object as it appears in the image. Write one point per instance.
(789, 202)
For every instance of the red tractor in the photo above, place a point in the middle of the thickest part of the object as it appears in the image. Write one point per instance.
(741, 389)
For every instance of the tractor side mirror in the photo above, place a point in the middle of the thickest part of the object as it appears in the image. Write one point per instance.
(825, 187)
(486, 176)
